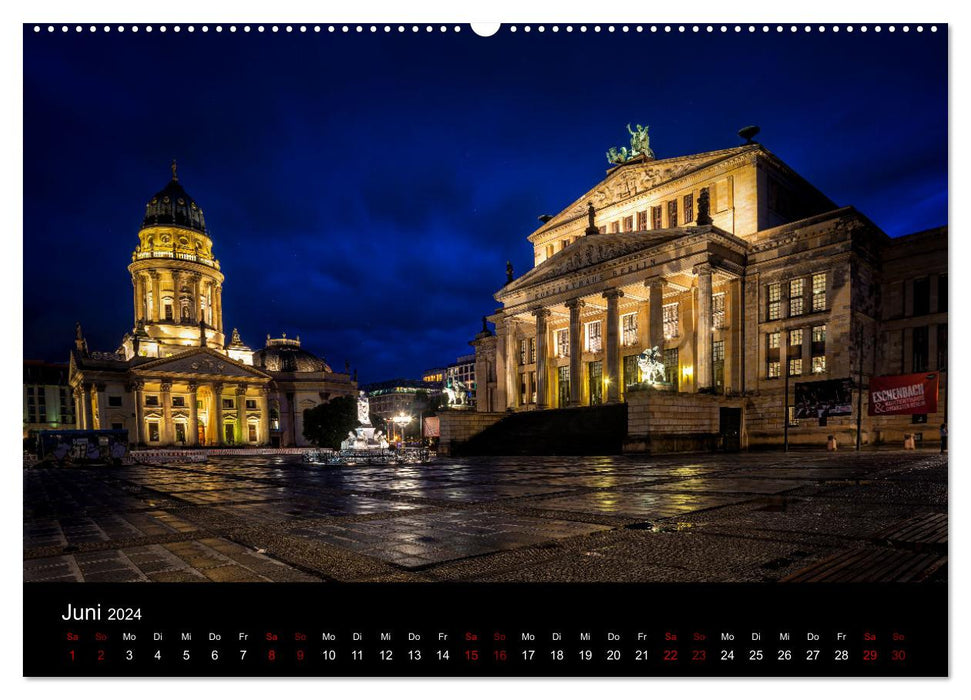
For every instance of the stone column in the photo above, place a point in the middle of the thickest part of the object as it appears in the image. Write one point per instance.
(613, 344)
(263, 435)
(576, 350)
(196, 298)
(78, 408)
(192, 439)
(656, 312)
(542, 358)
(156, 296)
(242, 437)
(512, 365)
(168, 430)
(217, 302)
(134, 285)
(138, 395)
(86, 400)
(502, 367)
(217, 392)
(102, 406)
(703, 327)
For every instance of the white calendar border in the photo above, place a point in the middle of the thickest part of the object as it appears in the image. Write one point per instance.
(517, 11)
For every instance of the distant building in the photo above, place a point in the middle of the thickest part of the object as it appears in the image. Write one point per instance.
(48, 400)
(434, 375)
(396, 396)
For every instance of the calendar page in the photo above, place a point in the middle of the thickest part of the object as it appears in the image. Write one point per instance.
(423, 350)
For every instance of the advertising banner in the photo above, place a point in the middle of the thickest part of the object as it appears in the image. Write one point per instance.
(832, 397)
(903, 394)
(431, 427)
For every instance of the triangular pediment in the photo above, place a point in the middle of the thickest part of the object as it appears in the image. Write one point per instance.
(200, 361)
(590, 251)
(638, 176)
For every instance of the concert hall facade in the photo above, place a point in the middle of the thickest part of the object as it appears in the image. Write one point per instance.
(740, 272)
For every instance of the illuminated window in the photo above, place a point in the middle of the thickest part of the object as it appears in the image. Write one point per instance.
(818, 349)
(795, 366)
(631, 370)
(773, 364)
(671, 366)
(775, 301)
(594, 338)
(656, 217)
(795, 337)
(718, 363)
(689, 208)
(563, 343)
(672, 213)
(628, 329)
(796, 288)
(819, 291)
(669, 314)
(718, 310)
(252, 432)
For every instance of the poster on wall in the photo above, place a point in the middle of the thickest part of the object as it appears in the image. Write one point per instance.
(903, 394)
(823, 399)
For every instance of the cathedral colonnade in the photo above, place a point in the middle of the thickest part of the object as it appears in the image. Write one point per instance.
(173, 413)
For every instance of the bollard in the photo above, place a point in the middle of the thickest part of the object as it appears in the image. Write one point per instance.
(831, 443)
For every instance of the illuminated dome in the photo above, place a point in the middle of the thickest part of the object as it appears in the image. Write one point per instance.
(285, 355)
(174, 207)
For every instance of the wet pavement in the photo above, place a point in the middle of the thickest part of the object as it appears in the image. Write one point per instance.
(678, 518)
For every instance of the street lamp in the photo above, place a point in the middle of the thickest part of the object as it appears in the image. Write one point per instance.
(401, 420)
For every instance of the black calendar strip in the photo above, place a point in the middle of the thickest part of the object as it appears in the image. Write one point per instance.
(484, 630)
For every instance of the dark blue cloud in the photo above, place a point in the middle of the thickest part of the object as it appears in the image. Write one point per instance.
(365, 191)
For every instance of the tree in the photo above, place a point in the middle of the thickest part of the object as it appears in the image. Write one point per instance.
(327, 424)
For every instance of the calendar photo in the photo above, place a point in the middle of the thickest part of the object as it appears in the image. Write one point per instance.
(406, 315)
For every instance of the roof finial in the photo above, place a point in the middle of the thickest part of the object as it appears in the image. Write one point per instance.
(174, 175)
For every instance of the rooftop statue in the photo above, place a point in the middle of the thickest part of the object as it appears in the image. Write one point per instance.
(640, 144)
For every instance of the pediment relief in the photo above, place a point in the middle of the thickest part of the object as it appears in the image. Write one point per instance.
(200, 362)
(636, 178)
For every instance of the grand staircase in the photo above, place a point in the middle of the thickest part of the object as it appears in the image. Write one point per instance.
(586, 430)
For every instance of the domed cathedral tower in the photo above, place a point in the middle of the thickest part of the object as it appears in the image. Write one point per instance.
(176, 280)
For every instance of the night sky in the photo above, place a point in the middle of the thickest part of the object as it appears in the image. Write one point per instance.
(365, 191)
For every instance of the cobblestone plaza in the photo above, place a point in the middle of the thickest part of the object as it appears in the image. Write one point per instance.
(871, 516)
